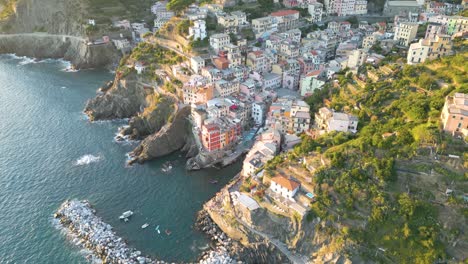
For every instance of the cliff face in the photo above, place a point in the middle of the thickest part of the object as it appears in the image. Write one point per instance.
(123, 100)
(64, 17)
(155, 118)
(73, 49)
(173, 136)
(53, 29)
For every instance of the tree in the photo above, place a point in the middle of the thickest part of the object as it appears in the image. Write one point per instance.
(179, 5)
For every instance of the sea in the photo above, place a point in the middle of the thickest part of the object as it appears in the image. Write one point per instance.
(50, 152)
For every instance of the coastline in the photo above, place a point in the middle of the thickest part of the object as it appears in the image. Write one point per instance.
(50, 46)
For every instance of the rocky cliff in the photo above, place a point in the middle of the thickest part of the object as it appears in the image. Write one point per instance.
(155, 118)
(59, 17)
(53, 29)
(73, 49)
(123, 100)
(175, 135)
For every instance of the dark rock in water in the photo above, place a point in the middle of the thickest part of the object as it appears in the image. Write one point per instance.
(172, 137)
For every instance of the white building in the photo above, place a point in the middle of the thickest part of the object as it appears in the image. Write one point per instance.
(219, 41)
(259, 112)
(357, 58)
(285, 187)
(334, 121)
(405, 32)
(197, 63)
(198, 30)
(241, 18)
(316, 11)
(271, 81)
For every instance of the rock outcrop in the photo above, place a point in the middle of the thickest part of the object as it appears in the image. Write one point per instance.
(125, 99)
(174, 136)
(65, 17)
(73, 49)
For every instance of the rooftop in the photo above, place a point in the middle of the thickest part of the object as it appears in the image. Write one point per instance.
(286, 183)
(284, 13)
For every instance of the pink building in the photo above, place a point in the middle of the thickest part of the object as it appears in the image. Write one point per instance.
(455, 114)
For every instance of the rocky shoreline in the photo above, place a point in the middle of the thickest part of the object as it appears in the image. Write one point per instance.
(79, 218)
(70, 48)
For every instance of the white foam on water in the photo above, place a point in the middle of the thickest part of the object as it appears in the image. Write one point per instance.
(87, 159)
(27, 60)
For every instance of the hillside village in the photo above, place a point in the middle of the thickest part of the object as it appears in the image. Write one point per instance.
(327, 107)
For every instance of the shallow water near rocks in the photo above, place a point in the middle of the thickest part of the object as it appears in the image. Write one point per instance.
(49, 153)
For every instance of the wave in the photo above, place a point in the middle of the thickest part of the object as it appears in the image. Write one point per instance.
(87, 159)
(24, 60)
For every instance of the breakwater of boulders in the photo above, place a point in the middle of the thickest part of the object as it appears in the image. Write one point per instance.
(89, 231)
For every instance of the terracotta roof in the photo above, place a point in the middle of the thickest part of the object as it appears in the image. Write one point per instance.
(284, 13)
(286, 183)
(314, 73)
(257, 53)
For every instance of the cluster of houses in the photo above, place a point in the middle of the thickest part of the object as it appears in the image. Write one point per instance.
(239, 86)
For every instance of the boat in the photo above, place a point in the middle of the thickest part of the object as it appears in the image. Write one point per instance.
(159, 232)
(126, 215)
(145, 226)
(157, 229)
(168, 232)
(126, 220)
(214, 181)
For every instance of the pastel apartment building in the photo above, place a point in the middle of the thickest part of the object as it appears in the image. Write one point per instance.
(311, 82)
(219, 41)
(226, 87)
(286, 19)
(197, 90)
(257, 61)
(198, 30)
(405, 33)
(289, 116)
(264, 26)
(429, 49)
(218, 134)
(197, 63)
(335, 121)
(315, 11)
(346, 7)
(455, 114)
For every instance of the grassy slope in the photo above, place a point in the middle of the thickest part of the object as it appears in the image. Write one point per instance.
(367, 186)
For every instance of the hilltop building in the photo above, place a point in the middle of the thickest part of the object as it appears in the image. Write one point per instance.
(455, 114)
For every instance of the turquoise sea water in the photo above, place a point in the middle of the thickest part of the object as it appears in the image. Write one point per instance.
(43, 134)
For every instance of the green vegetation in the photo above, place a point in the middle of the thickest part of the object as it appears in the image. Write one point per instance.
(154, 54)
(7, 8)
(361, 188)
(103, 10)
(179, 5)
(183, 27)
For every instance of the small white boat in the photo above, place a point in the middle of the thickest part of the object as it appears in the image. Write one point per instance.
(145, 226)
(126, 220)
(126, 215)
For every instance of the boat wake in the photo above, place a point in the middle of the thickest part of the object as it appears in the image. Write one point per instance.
(87, 159)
